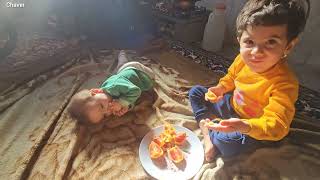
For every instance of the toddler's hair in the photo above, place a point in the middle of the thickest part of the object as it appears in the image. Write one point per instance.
(293, 13)
(77, 108)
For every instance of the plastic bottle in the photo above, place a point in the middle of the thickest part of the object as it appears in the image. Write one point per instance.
(215, 28)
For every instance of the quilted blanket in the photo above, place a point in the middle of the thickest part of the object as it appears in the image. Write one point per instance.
(39, 140)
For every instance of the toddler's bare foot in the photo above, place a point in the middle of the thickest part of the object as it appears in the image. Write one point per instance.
(204, 130)
(209, 148)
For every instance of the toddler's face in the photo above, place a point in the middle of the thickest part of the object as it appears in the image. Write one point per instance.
(261, 47)
(98, 108)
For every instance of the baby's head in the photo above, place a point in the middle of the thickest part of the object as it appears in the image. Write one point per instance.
(90, 107)
(267, 30)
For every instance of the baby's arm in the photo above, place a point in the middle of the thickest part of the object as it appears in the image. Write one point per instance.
(118, 109)
(126, 92)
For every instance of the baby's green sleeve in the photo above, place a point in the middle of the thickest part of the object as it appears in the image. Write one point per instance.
(126, 92)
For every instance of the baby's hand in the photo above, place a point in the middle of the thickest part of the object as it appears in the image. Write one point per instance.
(116, 106)
(230, 125)
(118, 109)
(122, 111)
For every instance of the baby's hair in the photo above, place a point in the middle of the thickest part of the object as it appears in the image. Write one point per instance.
(77, 106)
(275, 12)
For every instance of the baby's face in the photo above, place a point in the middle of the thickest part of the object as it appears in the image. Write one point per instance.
(262, 47)
(98, 108)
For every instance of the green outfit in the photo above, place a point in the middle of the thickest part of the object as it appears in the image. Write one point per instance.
(127, 85)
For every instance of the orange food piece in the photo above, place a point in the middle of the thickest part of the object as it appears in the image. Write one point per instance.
(211, 96)
(167, 146)
(159, 141)
(167, 141)
(169, 130)
(180, 138)
(210, 123)
(155, 150)
(213, 122)
(175, 154)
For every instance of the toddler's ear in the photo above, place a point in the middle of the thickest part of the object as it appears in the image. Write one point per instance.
(291, 45)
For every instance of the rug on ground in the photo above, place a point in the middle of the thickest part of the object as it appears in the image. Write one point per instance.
(39, 140)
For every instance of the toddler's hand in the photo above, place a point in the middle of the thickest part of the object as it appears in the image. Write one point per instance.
(230, 125)
(215, 94)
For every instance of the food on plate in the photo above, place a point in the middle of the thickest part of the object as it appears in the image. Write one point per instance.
(155, 150)
(168, 141)
(159, 141)
(175, 154)
(180, 138)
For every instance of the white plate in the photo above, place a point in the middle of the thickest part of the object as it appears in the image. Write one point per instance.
(162, 168)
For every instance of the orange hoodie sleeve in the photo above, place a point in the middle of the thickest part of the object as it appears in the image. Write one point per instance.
(228, 80)
(275, 122)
